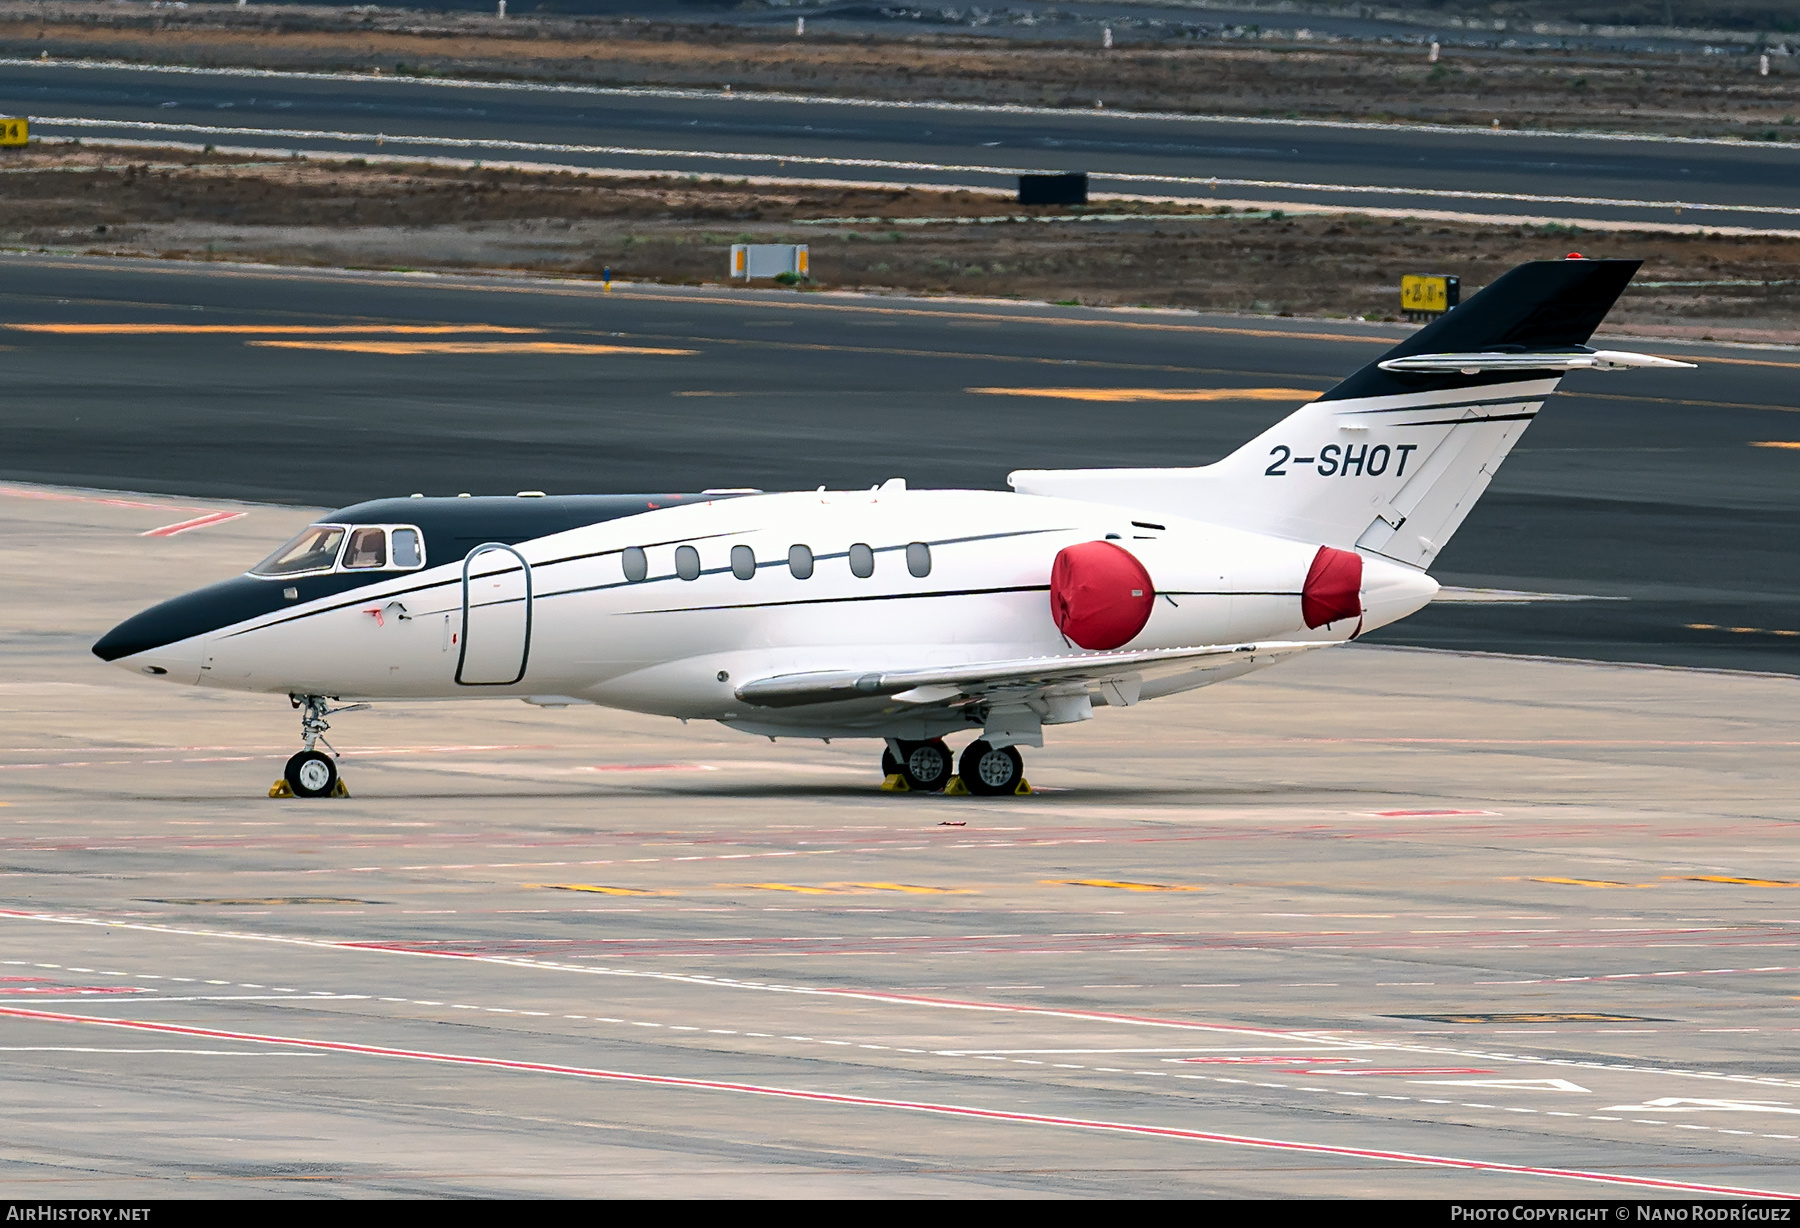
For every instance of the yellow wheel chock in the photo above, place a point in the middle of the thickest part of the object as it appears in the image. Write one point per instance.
(895, 784)
(281, 788)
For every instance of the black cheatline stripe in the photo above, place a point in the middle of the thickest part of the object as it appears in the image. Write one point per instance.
(1446, 405)
(595, 588)
(765, 605)
(1469, 421)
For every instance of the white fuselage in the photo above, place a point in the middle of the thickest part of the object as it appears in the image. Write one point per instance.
(574, 628)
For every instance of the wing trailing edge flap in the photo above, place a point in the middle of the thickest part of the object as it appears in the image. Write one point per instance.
(1019, 678)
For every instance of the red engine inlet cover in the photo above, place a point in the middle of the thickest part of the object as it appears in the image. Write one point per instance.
(1333, 587)
(1100, 595)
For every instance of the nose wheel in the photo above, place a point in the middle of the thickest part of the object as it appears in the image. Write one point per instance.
(311, 772)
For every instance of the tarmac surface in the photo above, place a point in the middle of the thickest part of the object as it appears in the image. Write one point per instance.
(1378, 923)
(1645, 489)
(1590, 179)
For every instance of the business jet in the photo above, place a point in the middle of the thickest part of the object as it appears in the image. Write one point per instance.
(909, 616)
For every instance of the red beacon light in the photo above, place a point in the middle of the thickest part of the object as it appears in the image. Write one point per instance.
(1574, 256)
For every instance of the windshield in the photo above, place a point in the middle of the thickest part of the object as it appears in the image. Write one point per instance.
(315, 549)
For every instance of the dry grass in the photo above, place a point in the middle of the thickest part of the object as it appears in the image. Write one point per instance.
(321, 213)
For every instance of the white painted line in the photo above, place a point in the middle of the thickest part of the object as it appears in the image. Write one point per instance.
(198, 522)
(892, 164)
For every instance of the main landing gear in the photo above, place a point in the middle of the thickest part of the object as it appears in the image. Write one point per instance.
(925, 767)
(312, 773)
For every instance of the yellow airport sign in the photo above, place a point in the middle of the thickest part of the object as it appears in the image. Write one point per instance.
(1421, 293)
(14, 130)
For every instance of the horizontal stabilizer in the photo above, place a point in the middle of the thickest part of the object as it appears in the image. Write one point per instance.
(1582, 359)
(947, 683)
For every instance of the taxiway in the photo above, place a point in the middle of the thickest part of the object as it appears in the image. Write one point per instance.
(1380, 922)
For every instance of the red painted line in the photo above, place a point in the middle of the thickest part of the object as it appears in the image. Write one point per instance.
(58, 496)
(1404, 1070)
(1301, 1060)
(915, 1106)
(198, 522)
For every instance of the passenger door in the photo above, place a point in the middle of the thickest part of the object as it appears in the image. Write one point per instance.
(496, 617)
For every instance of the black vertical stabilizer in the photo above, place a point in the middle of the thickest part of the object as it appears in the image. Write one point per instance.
(1542, 305)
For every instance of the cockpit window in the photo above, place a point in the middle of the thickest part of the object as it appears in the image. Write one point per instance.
(368, 548)
(315, 549)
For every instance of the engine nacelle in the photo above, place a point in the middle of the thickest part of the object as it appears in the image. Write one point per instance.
(1100, 595)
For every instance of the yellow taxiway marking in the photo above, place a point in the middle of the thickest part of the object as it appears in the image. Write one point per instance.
(1589, 882)
(596, 889)
(1741, 630)
(1107, 882)
(261, 329)
(1155, 394)
(908, 888)
(803, 890)
(464, 347)
(1726, 878)
(1777, 443)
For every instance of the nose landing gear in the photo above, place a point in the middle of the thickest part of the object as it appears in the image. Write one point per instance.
(311, 773)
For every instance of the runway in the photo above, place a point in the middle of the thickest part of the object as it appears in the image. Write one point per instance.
(307, 387)
(1597, 179)
(1379, 923)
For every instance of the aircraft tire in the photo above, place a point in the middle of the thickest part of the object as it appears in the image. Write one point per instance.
(927, 766)
(311, 773)
(990, 771)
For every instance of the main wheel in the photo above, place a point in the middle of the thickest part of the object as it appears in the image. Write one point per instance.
(311, 774)
(927, 766)
(991, 770)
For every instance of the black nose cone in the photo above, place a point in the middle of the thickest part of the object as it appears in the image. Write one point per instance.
(196, 613)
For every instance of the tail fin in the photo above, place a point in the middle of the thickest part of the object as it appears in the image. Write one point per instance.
(1393, 458)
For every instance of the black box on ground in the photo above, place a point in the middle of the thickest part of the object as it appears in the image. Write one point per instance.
(1069, 188)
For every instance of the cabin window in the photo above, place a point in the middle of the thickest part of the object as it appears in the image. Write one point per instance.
(743, 562)
(409, 551)
(687, 562)
(862, 561)
(636, 565)
(800, 562)
(315, 549)
(918, 559)
(368, 549)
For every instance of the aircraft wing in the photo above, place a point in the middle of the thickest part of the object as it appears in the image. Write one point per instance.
(960, 683)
